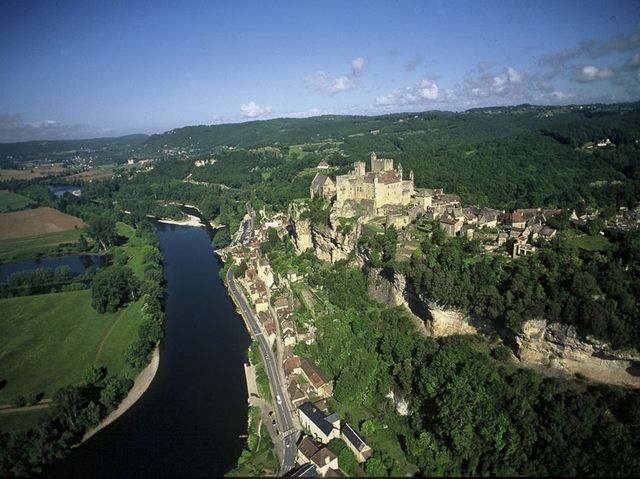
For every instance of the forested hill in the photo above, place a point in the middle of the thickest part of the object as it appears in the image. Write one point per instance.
(501, 156)
(46, 146)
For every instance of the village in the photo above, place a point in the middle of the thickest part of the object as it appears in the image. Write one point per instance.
(384, 197)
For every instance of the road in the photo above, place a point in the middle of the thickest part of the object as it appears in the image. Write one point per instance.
(289, 433)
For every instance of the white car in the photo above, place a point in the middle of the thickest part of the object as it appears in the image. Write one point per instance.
(278, 399)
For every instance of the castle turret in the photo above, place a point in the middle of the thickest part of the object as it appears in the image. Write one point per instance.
(400, 170)
(411, 176)
(359, 168)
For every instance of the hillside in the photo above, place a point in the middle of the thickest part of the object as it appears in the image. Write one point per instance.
(501, 156)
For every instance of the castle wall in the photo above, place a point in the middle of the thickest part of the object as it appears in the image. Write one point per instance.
(361, 186)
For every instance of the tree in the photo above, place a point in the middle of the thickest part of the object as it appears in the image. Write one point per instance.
(374, 467)
(113, 287)
(103, 230)
(222, 237)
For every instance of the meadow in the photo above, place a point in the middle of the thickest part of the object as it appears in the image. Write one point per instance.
(12, 201)
(50, 339)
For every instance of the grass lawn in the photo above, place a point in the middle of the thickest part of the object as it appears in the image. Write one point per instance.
(382, 439)
(26, 248)
(12, 201)
(133, 248)
(50, 339)
(590, 243)
(22, 421)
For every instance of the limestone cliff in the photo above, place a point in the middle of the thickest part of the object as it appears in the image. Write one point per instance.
(562, 347)
(331, 242)
(556, 347)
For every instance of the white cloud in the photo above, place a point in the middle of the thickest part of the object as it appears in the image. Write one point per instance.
(317, 81)
(590, 73)
(357, 65)
(323, 82)
(14, 128)
(428, 90)
(513, 75)
(424, 92)
(252, 110)
(340, 84)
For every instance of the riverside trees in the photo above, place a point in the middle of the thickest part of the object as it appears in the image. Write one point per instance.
(113, 287)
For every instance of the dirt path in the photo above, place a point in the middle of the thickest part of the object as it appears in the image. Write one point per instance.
(8, 409)
(104, 339)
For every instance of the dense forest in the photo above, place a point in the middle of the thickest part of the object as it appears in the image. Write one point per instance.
(471, 411)
(101, 150)
(502, 157)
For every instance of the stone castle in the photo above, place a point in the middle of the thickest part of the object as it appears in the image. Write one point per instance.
(383, 185)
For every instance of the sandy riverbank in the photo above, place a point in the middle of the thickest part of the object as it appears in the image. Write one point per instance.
(140, 385)
(192, 221)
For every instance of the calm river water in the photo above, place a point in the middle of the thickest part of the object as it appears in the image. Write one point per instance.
(190, 420)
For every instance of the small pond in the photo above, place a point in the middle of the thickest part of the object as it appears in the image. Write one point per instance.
(60, 190)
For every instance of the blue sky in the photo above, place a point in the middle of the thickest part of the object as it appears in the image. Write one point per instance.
(83, 69)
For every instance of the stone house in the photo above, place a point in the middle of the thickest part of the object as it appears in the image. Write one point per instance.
(322, 385)
(321, 457)
(320, 427)
(322, 187)
(354, 442)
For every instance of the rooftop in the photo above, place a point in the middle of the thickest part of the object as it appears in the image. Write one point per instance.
(353, 437)
(314, 373)
(316, 417)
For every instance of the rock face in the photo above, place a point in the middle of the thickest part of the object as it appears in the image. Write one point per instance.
(561, 347)
(448, 322)
(400, 402)
(386, 287)
(391, 289)
(329, 242)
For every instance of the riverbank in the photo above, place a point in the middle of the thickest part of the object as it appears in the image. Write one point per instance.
(192, 221)
(140, 384)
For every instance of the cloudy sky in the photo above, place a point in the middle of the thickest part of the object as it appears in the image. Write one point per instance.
(83, 69)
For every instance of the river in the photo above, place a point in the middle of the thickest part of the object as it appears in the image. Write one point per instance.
(191, 419)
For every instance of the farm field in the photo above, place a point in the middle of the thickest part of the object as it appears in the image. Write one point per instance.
(50, 339)
(25, 248)
(35, 222)
(91, 175)
(33, 173)
(12, 201)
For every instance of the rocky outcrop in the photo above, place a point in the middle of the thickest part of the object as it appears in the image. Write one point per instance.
(400, 402)
(387, 287)
(449, 322)
(391, 289)
(331, 242)
(562, 347)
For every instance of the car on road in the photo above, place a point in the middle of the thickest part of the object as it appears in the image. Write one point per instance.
(278, 399)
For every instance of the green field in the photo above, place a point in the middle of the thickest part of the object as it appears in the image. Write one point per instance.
(22, 421)
(25, 248)
(12, 201)
(50, 339)
(132, 248)
(590, 243)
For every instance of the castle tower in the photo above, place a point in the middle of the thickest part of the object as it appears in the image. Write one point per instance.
(359, 168)
(400, 170)
(411, 176)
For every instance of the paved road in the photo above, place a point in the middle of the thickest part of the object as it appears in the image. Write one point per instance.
(289, 434)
